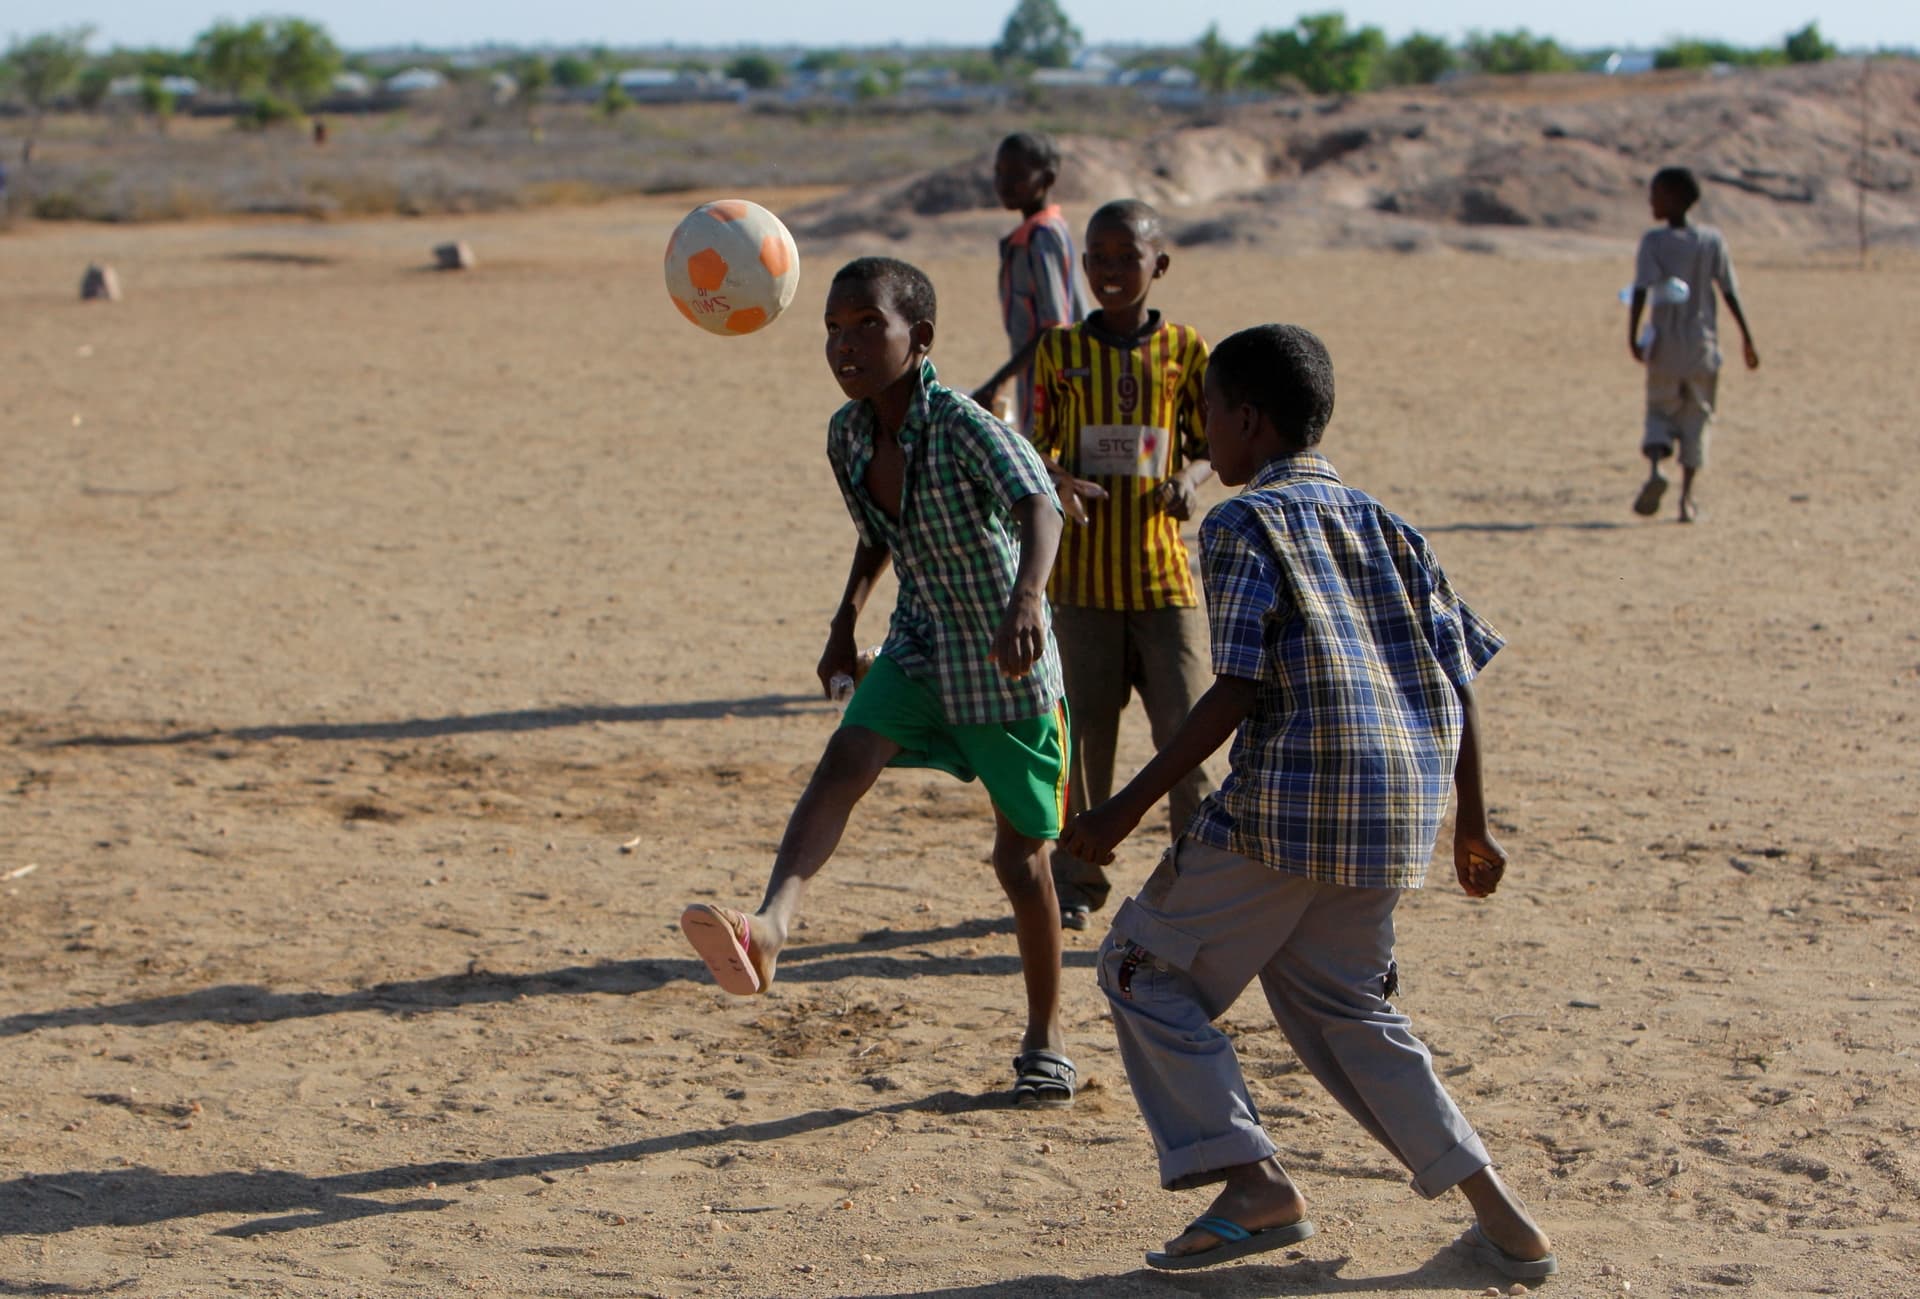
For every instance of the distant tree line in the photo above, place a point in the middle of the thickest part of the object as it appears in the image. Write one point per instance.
(280, 67)
(1322, 54)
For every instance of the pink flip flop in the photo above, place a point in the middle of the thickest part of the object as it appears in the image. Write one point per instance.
(724, 940)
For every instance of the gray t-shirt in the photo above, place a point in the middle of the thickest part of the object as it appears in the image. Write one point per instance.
(1685, 337)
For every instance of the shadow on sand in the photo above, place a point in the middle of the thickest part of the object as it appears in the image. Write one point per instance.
(426, 728)
(1513, 525)
(45, 1203)
(819, 963)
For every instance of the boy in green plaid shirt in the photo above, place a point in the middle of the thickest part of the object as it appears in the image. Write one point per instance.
(968, 680)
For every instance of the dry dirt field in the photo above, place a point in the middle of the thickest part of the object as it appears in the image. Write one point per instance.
(356, 616)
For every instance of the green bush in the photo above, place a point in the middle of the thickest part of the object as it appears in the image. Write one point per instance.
(1504, 53)
(266, 109)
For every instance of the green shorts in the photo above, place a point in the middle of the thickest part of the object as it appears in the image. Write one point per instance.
(1023, 764)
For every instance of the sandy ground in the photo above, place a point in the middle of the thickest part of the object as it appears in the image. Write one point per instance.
(355, 616)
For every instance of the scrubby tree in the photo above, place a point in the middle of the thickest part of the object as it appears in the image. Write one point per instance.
(816, 61)
(234, 57)
(302, 59)
(1039, 33)
(42, 67)
(1502, 53)
(1419, 60)
(571, 72)
(1320, 53)
(156, 101)
(90, 89)
(1808, 46)
(1216, 62)
(757, 70)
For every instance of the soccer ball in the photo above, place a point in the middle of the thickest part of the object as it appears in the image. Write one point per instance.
(732, 267)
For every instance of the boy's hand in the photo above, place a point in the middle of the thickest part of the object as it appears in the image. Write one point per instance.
(1022, 637)
(838, 659)
(1074, 495)
(988, 393)
(1753, 357)
(1479, 861)
(1178, 498)
(1639, 352)
(1094, 834)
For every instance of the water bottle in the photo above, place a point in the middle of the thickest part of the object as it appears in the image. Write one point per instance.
(841, 686)
(1670, 292)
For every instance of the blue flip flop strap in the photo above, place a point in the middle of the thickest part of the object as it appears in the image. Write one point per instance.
(1225, 1228)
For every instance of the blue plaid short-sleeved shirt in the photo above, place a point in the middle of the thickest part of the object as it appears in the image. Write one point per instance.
(1337, 608)
(955, 548)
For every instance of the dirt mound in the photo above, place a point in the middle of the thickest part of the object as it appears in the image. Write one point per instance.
(1777, 152)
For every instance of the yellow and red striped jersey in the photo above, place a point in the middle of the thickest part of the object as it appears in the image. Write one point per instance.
(1126, 413)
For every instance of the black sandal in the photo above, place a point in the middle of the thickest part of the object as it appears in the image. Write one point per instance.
(1043, 1078)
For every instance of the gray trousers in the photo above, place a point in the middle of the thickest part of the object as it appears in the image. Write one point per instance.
(1106, 655)
(1180, 953)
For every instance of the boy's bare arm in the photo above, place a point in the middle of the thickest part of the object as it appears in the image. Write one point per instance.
(1019, 361)
(1746, 335)
(1638, 305)
(1093, 835)
(1179, 495)
(1074, 492)
(838, 659)
(1022, 637)
(1478, 859)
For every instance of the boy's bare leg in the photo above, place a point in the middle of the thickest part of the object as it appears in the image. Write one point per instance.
(1504, 1220)
(853, 760)
(1256, 1196)
(1688, 510)
(1026, 876)
(1648, 501)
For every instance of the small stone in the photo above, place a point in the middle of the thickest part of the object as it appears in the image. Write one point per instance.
(1606, 1269)
(1492, 1292)
(844, 1204)
(1516, 1288)
(99, 284)
(453, 257)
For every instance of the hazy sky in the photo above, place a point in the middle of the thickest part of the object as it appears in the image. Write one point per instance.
(361, 23)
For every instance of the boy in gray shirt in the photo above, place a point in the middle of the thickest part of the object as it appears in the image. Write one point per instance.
(1682, 350)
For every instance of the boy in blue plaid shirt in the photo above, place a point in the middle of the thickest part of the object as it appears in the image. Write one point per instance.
(968, 680)
(1343, 666)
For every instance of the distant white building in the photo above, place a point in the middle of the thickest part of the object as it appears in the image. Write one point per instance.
(670, 86)
(415, 81)
(354, 85)
(181, 88)
(1623, 63)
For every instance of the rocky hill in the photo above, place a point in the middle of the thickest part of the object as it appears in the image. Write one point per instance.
(1513, 163)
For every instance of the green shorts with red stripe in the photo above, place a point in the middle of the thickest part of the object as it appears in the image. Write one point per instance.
(1023, 764)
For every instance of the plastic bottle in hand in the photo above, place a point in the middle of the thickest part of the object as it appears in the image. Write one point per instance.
(841, 686)
(1670, 292)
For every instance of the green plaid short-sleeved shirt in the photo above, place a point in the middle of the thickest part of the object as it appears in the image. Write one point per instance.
(955, 548)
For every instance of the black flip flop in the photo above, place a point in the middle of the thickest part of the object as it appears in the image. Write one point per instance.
(1043, 1078)
(1235, 1242)
(1481, 1249)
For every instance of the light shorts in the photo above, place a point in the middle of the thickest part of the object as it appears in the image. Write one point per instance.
(1679, 408)
(1023, 764)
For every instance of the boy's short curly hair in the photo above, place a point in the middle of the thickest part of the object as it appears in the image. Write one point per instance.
(906, 285)
(1136, 215)
(1035, 147)
(1282, 371)
(1680, 182)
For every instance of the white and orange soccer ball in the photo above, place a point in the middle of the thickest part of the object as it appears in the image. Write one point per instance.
(732, 267)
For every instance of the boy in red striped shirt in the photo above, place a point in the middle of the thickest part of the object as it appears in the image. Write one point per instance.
(1119, 414)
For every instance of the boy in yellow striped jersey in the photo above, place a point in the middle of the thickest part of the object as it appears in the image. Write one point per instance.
(1118, 412)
